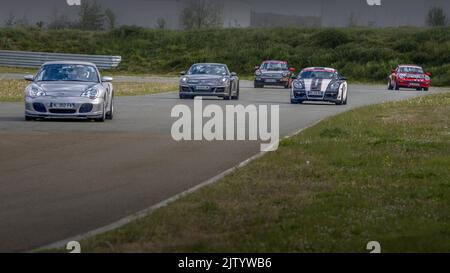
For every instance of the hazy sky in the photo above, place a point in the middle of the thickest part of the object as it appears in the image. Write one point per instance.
(145, 12)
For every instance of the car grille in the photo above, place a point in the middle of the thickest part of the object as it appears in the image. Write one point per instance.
(211, 89)
(39, 107)
(63, 111)
(204, 82)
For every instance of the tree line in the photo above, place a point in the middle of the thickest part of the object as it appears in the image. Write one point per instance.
(195, 14)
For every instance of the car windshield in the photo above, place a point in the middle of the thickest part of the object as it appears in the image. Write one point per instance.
(274, 66)
(411, 70)
(208, 69)
(68, 72)
(316, 75)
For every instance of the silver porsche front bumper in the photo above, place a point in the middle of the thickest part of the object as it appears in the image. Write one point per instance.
(214, 91)
(64, 107)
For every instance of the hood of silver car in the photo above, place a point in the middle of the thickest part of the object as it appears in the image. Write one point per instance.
(205, 77)
(65, 89)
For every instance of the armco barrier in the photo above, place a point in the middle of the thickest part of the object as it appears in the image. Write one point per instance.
(36, 59)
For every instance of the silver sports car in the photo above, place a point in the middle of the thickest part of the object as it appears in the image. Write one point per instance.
(69, 90)
(209, 80)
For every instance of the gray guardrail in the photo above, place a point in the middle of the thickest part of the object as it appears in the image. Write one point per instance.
(36, 59)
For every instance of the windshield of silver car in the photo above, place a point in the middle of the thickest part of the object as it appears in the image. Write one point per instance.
(208, 69)
(68, 72)
(274, 66)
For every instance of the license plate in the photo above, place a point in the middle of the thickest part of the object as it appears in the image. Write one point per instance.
(62, 105)
(414, 84)
(271, 80)
(202, 88)
(315, 93)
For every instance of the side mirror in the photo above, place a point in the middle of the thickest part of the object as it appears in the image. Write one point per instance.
(256, 67)
(182, 73)
(234, 74)
(292, 69)
(107, 79)
(29, 78)
(428, 74)
(342, 78)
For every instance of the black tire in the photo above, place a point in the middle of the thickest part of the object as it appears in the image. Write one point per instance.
(28, 118)
(182, 97)
(396, 87)
(341, 101)
(346, 97)
(228, 97)
(103, 118)
(286, 86)
(236, 97)
(296, 101)
(110, 113)
(426, 89)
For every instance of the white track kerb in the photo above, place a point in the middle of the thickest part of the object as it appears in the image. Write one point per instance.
(150, 210)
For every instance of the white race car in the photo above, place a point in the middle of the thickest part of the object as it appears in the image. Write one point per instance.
(319, 84)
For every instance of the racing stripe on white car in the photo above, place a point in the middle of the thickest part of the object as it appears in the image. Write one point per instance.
(325, 83)
(308, 83)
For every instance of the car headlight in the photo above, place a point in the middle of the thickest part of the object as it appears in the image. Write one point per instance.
(427, 78)
(401, 76)
(184, 80)
(298, 85)
(285, 74)
(35, 91)
(91, 93)
(335, 86)
(258, 73)
(225, 81)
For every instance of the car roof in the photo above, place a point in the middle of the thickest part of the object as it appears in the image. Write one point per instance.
(274, 61)
(70, 62)
(320, 69)
(209, 64)
(409, 65)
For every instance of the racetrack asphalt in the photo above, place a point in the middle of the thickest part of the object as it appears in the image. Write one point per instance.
(59, 179)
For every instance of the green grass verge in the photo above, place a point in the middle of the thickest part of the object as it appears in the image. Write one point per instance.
(12, 90)
(364, 54)
(377, 173)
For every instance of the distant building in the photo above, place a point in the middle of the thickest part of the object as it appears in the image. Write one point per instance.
(273, 19)
(391, 13)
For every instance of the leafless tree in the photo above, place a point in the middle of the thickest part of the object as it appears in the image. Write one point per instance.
(11, 20)
(161, 23)
(436, 17)
(110, 18)
(91, 16)
(201, 14)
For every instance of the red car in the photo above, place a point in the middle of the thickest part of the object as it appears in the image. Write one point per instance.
(409, 76)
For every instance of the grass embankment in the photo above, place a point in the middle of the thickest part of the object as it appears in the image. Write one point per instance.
(377, 173)
(362, 54)
(12, 90)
